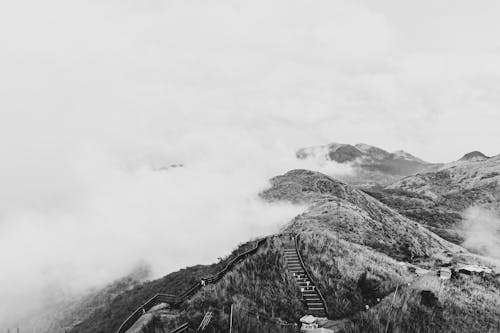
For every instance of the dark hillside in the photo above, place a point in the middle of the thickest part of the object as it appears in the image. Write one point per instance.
(109, 318)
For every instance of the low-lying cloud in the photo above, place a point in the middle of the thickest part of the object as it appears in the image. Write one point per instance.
(481, 229)
(112, 208)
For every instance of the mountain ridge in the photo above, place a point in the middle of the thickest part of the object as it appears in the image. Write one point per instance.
(371, 165)
(359, 246)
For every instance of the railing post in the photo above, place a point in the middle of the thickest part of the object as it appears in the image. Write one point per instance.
(231, 320)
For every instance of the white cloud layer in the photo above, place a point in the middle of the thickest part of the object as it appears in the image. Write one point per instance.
(481, 229)
(96, 95)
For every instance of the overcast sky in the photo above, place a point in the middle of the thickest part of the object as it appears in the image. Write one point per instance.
(96, 95)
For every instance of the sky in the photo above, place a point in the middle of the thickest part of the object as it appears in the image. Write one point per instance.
(97, 96)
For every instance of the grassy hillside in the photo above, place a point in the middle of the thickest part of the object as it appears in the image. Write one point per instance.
(260, 284)
(468, 304)
(437, 199)
(107, 319)
(349, 275)
(355, 216)
(358, 251)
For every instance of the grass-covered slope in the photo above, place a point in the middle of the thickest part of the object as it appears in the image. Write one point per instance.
(438, 198)
(350, 276)
(260, 284)
(464, 305)
(107, 319)
(354, 216)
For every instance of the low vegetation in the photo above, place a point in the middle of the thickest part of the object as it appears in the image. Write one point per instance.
(465, 305)
(107, 319)
(350, 276)
(260, 285)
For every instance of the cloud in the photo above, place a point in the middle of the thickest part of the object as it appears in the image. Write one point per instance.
(96, 96)
(481, 228)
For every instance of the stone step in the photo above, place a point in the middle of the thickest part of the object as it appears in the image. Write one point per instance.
(312, 300)
(312, 296)
(314, 304)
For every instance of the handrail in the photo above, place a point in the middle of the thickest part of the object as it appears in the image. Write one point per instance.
(307, 273)
(179, 299)
(181, 328)
(156, 299)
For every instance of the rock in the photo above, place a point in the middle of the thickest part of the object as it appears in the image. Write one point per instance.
(308, 319)
(428, 298)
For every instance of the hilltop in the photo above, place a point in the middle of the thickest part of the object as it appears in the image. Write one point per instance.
(357, 217)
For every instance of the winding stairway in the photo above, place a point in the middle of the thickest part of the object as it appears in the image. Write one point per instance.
(313, 299)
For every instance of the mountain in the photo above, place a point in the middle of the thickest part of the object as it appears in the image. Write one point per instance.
(372, 165)
(439, 198)
(360, 253)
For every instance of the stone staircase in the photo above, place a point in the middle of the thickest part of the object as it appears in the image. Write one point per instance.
(310, 294)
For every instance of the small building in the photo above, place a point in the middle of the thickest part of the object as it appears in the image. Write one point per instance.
(444, 273)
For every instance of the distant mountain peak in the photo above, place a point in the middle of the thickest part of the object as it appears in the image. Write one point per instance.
(370, 163)
(408, 156)
(474, 156)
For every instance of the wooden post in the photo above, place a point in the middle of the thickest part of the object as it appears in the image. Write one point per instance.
(231, 320)
(392, 304)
